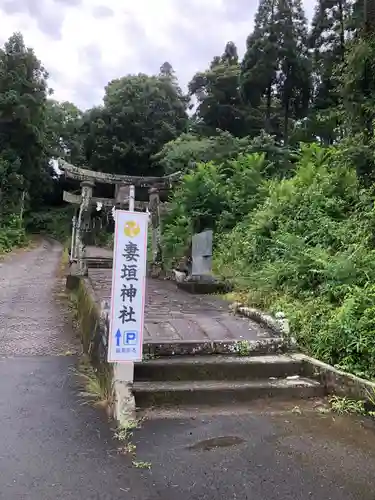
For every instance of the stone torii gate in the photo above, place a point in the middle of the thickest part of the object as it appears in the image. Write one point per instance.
(124, 198)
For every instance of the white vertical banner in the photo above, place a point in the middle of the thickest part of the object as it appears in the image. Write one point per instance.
(128, 287)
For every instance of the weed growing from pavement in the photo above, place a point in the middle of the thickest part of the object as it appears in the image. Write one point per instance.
(344, 405)
(130, 448)
(99, 389)
(141, 465)
(126, 430)
(147, 356)
(297, 410)
(242, 348)
(124, 434)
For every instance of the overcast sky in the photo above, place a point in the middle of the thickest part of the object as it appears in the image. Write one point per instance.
(86, 43)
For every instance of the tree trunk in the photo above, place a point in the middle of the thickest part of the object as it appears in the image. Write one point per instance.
(268, 109)
(342, 30)
(286, 120)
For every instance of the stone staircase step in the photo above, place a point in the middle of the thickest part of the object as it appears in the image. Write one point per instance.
(228, 368)
(212, 393)
(259, 347)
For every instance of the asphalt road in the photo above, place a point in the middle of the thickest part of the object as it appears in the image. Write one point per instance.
(259, 456)
(54, 447)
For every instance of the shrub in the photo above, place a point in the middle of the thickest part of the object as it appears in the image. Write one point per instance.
(303, 244)
(212, 197)
(12, 233)
(309, 249)
(56, 222)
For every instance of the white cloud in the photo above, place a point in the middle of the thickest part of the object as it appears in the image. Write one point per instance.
(84, 44)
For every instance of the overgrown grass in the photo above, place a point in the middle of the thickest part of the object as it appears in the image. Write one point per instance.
(344, 405)
(124, 434)
(308, 250)
(97, 390)
(96, 374)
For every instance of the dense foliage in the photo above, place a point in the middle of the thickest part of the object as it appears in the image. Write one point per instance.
(277, 152)
(140, 114)
(304, 245)
(308, 249)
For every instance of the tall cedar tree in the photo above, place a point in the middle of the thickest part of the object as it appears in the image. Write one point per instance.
(276, 66)
(330, 32)
(294, 70)
(259, 65)
(219, 102)
(358, 84)
(168, 75)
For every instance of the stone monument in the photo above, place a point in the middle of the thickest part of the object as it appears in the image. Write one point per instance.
(201, 279)
(201, 252)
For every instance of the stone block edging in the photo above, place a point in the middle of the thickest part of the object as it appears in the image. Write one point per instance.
(279, 324)
(336, 381)
(260, 317)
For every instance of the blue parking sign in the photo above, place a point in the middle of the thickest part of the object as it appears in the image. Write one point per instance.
(130, 338)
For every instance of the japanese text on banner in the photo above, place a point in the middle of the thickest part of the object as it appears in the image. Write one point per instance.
(128, 287)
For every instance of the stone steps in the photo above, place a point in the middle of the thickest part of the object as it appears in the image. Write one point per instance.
(218, 380)
(164, 394)
(175, 368)
(99, 262)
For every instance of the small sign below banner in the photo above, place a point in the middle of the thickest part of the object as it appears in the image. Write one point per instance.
(128, 287)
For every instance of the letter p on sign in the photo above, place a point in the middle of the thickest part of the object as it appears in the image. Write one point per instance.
(130, 338)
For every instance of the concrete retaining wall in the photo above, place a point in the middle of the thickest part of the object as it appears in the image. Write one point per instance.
(336, 381)
(94, 324)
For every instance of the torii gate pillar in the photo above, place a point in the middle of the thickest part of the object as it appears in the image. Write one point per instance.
(83, 225)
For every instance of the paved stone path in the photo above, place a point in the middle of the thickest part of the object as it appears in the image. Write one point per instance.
(172, 315)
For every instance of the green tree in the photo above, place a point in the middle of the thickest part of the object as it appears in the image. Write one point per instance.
(23, 93)
(259, 65)
(140, 114)
(356, 88)
(167, 71)
(328, 37)
(358, 84)
(184, 152)
(294, 73)
(219, 102)
(276, 66)
(187, 150)
(63, 131)
(168, 75)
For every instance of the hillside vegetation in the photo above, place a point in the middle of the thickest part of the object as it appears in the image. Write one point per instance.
(304, 245)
